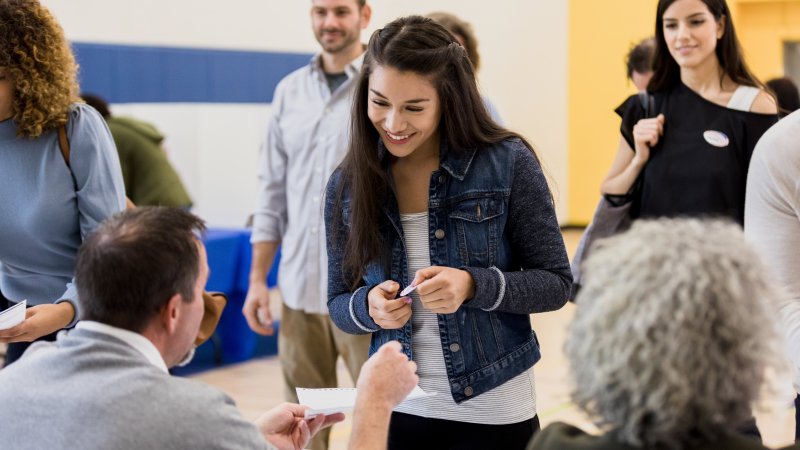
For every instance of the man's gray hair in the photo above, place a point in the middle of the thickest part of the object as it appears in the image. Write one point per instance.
(675, 326)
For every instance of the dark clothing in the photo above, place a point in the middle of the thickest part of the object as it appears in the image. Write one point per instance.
(686, 174)
(797, 418)
(560, 436)
(149, 177)
(490, 213)
(335, 80)
(407, 431)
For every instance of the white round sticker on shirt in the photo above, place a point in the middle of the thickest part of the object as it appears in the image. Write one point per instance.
(716, 138)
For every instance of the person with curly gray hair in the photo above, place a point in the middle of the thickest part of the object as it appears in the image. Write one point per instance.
(674, 329)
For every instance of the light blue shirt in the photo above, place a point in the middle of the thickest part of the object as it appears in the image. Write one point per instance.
(47, 209)
(306, 140)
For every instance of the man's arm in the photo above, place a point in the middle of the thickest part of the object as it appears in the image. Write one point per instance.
(386, 379)
(256, 304)
(269, 220)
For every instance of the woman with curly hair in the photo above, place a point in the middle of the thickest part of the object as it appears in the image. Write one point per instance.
(672, 339)
(48, 204)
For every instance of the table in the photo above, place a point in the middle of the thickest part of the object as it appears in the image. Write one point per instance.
(229, 256)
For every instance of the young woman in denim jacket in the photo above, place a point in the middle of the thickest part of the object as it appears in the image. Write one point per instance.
(435, 194)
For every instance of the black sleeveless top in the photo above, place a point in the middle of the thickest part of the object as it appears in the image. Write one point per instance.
(699, 167)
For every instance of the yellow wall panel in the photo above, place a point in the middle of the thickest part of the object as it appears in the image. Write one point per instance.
(763, 26)
(600, 35)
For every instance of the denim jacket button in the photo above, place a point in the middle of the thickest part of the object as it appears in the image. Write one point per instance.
(468, 391)
(439, 233)
(454, 347)
(441, 179)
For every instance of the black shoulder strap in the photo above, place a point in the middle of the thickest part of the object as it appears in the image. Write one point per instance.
(648, 103)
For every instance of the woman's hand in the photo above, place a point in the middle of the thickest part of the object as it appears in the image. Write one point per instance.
(646, 134)
(443, 289)
(389, 313)
(40, 320)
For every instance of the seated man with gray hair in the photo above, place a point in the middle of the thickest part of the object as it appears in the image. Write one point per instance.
(669, 346)
(105, 385)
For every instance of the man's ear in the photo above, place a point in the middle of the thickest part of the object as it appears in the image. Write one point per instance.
(366, 14)
(170, 313)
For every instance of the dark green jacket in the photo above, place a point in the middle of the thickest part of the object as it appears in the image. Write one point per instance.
(149, 177)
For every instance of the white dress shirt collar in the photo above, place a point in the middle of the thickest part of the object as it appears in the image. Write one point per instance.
(352, 69)
(135, 340)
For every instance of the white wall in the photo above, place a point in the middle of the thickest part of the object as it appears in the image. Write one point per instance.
(523, 47)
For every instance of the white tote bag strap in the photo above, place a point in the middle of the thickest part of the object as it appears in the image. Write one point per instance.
(743, 98)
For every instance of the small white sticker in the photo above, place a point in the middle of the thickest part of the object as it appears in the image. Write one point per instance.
(716, 138)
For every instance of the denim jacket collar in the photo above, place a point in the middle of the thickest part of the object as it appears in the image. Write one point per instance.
(455, 162)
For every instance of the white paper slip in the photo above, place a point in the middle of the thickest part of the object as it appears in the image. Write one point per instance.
(13, 316)
(335, 400)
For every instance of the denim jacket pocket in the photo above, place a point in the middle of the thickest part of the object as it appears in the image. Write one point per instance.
(477, 222)
(489, 337)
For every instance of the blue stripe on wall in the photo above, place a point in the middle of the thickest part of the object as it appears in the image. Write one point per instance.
(134, 74)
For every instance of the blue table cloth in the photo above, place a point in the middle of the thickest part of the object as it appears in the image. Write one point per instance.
(229, 256)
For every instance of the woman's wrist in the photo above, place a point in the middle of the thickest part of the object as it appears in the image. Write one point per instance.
(638, 162)
(470, 286)
(67, 312)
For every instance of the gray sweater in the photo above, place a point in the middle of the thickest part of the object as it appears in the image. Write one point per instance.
(92, 391)
(46, 209)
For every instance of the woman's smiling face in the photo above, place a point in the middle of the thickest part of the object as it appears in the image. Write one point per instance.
(405, 110)
(691, 32)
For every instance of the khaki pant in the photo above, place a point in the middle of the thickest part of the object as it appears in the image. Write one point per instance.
(309, 345)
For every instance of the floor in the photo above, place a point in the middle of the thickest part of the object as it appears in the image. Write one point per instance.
(257, 385)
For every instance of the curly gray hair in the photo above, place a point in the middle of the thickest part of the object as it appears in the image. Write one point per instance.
(674, 329)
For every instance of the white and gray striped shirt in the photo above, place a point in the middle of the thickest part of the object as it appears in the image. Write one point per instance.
(508, 403)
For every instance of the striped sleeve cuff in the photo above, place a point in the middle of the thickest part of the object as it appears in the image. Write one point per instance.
(501, 292)
(490, 288)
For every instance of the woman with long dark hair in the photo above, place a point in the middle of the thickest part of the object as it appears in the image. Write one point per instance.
(688, 155)
(51, 198)
(434, 195)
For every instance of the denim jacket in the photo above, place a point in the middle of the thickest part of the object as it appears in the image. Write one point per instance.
(490, 213)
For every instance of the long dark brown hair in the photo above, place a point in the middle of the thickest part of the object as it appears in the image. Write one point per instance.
(667, 73)
(421, 46)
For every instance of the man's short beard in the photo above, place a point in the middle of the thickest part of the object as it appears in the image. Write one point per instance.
(349, 39)
(337, 48)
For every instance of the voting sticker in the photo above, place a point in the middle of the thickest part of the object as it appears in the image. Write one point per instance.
(716, 138)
